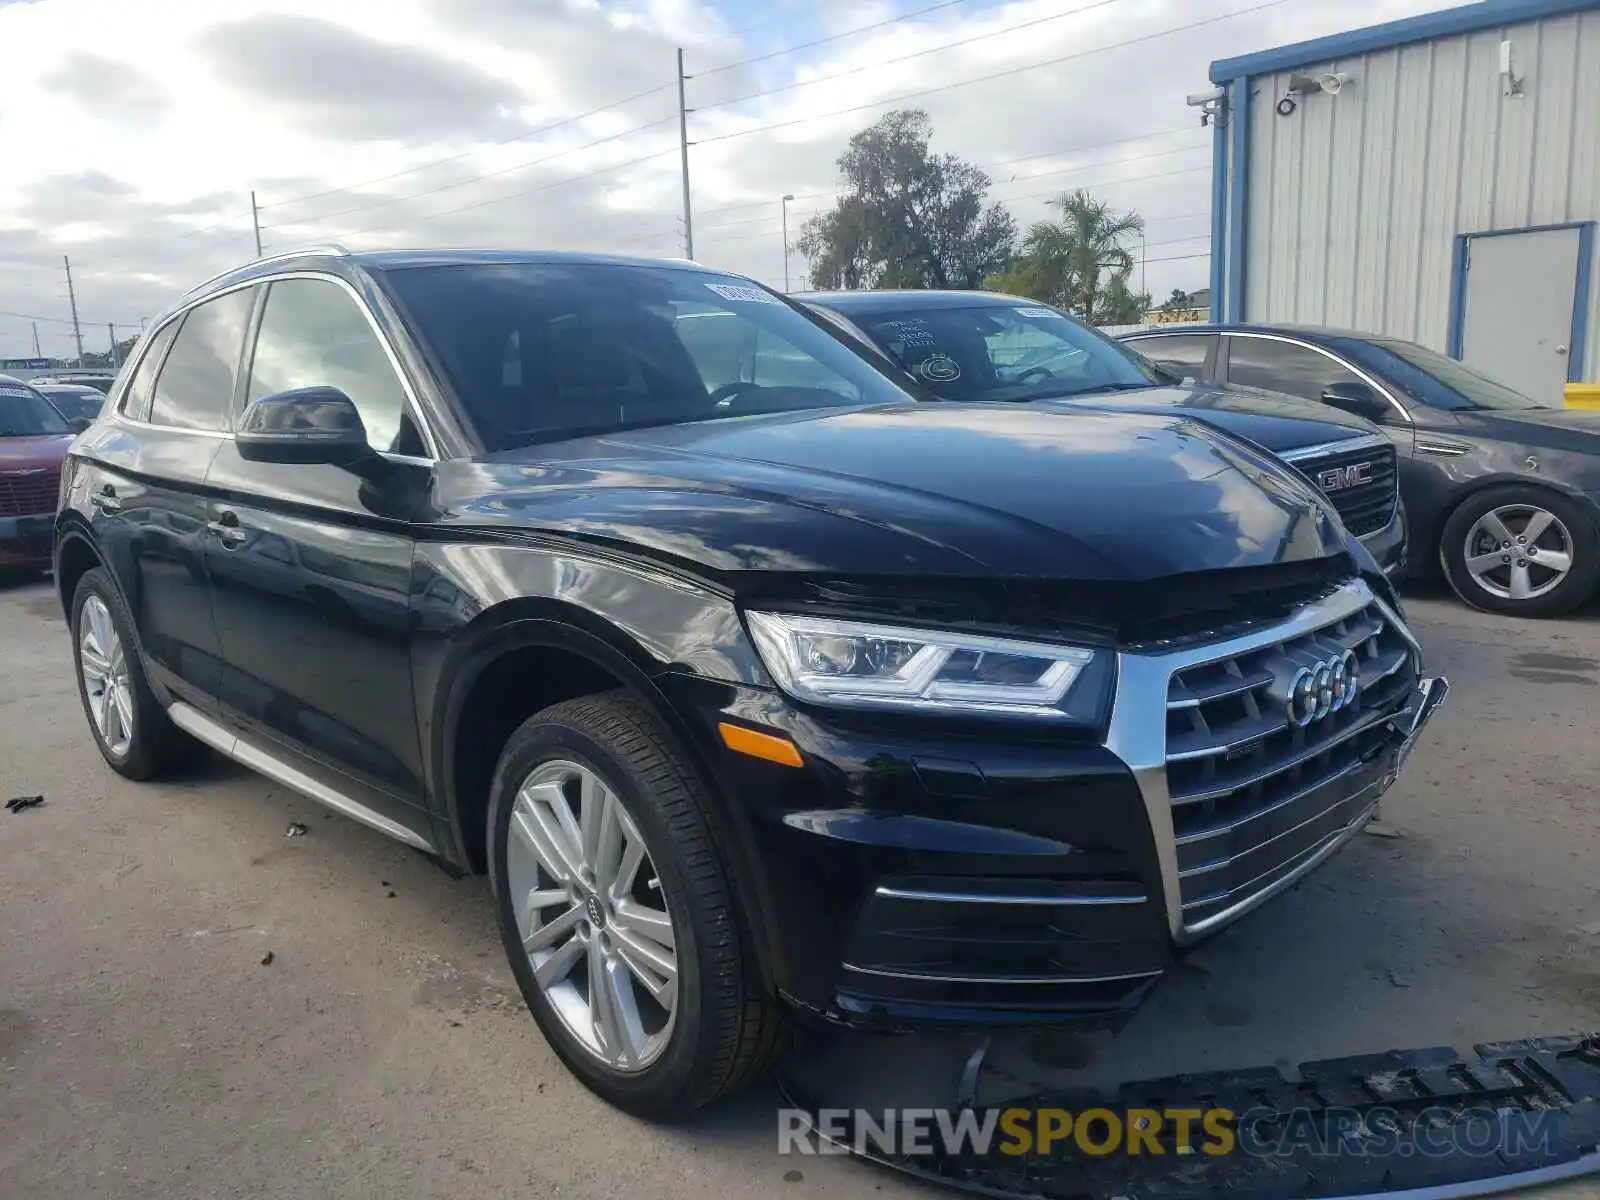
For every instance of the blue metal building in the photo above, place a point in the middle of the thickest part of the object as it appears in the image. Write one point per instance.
(1435, 178)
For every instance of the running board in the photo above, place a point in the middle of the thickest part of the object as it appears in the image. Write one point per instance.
(1425, 1124)
(226, 742)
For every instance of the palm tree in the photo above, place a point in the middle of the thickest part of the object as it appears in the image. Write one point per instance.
(1069, 256)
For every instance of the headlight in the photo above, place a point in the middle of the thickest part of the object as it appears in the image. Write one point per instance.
(857, 665)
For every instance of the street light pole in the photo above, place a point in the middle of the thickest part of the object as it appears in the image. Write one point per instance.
(786, 200)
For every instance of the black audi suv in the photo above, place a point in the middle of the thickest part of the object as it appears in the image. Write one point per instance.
(1502, 493)
(760, 689)
(989, 347)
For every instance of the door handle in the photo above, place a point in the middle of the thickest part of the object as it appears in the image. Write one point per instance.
(227, 528)
(106, 500)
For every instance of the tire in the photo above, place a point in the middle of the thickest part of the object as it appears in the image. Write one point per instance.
(725, 1030)
(153, 744)
(1515, 508)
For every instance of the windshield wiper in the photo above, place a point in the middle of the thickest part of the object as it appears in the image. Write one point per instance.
(1109, 387)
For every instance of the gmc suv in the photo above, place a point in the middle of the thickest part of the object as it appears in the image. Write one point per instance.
(757, 687)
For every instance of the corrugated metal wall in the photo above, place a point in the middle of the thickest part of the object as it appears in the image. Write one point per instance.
(1355, 199)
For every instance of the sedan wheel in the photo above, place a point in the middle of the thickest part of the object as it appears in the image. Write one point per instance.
(592, 915)
(1522, 550)
(1518, 551)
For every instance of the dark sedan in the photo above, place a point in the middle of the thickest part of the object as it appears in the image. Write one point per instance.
(1502, 493)
(74, 401)
(994, 348)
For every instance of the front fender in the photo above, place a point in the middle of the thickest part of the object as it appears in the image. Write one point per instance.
(474, 602)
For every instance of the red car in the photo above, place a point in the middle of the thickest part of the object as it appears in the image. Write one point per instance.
(34, 439)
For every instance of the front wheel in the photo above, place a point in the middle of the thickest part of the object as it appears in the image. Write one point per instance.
(618, 913)
(1522, 551)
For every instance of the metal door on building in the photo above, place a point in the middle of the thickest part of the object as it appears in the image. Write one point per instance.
(1519, 291)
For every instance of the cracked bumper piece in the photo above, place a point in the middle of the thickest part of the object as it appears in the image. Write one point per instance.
(1405, 1124)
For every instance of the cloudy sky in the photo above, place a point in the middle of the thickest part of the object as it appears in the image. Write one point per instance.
(132, 134)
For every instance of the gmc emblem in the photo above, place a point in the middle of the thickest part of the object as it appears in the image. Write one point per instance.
(1336, 479)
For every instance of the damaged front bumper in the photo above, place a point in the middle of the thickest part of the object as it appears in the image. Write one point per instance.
(1003, 877)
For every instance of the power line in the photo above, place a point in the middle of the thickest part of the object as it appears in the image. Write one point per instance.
(633, 162)
(61, 320)
(1024, 179)
(1104, 183)
(1051, 62)
(1110, 162)
(873, 66)
(833, 37)
(439, 162)
(1137, 137)
(478, 178)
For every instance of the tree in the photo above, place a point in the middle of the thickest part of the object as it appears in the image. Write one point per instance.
(1177, 302)
(1116, 305)
(103, 358)
(1063, 261)
(906, 217)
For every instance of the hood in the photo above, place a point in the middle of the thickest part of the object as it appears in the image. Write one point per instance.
(976, 491)
(1271, 419)
(27, 453)
(1561, 428)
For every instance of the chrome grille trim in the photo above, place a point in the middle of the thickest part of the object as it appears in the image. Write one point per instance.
(1368, 508)
(938, 977)
(1138, 732)
(1029, 898)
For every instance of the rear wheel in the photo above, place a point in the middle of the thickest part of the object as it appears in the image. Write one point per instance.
(618, 914)
(131, 729)
(1521, 551)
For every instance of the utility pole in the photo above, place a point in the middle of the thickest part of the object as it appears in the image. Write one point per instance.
(683, 140)
(37, 353)
(786, 200)
(116, 358)
(255, 219)
(72, 299)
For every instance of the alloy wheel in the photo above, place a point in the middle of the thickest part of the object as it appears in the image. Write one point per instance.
(104, 667)
(592, 915)
(1518, 551)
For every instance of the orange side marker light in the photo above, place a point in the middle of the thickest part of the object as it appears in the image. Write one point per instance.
(760, 745)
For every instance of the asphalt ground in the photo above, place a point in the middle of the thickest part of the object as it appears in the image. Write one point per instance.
(147, 1049)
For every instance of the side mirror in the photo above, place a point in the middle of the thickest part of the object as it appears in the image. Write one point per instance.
(1358, 398)
(79, 424)
(305, 426)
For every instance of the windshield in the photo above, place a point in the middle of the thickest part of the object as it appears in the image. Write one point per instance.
(1468, 389)
(1003, 352)
(543, 351)
(25, 413)
(72, 401)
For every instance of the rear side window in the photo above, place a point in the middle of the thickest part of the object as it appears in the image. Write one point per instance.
(136, 400)
(1181, 354)
(195, 388)
(1283, 367)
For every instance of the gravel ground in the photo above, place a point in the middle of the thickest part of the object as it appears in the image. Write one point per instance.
(147, 1049)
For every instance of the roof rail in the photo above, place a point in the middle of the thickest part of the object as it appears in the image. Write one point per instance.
(332, 248)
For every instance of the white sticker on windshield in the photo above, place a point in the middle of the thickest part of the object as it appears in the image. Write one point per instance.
(750, 295)
(939, 368)
(12, 391)
(1035, 312)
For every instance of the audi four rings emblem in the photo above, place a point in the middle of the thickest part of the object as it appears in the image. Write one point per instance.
(1322, 688)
